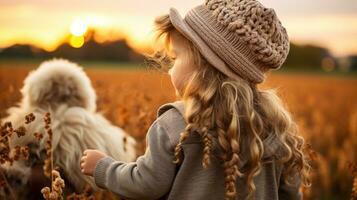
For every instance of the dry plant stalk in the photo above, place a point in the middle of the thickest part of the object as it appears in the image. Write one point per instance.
(57, 183)
(354, 189)
(6, 155)
(57, 186)
(48, 165)
(55, 192)
(6, 132)
(353, 169)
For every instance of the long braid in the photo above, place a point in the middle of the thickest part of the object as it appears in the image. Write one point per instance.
(198, 121)
(207, 146)
(232, 137)
(178, 148)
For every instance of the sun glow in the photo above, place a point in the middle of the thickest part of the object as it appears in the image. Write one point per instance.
(78, 27)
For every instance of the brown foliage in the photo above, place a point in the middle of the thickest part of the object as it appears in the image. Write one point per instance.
(325, 108)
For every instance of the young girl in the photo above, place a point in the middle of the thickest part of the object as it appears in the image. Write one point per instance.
(224, 138)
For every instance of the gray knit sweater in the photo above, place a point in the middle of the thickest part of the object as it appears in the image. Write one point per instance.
(155, 176)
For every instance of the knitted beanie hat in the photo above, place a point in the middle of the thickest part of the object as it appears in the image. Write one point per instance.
(241, 38)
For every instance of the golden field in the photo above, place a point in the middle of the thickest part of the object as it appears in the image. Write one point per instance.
(325, 108)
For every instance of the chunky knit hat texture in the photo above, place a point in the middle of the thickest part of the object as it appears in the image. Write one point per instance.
(241, 38)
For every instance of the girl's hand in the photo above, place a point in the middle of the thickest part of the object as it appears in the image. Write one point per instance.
(89, 160)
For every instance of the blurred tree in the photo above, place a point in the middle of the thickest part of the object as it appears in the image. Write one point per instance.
(117, 50)
(308, 57)
(23, 51)
(353, 62)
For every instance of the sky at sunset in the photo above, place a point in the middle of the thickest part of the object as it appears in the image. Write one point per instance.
(329, 23)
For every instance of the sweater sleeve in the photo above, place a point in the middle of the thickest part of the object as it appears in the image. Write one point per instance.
(150, 177)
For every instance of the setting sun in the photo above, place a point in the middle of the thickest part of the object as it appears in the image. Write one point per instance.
(76, 41)
(78, 29)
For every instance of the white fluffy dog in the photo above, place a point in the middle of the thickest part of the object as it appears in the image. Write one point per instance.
(63, 89)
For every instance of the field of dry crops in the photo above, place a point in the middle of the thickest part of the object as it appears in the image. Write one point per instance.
(324, 106)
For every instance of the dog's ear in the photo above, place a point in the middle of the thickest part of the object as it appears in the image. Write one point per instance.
(58, 82)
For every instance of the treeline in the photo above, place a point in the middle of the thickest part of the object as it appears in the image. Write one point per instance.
(306, 56)
(117, 50)
(301, 57)
(311, 57)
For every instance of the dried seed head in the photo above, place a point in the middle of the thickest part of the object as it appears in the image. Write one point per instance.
(55, 174)
(25, 151)
(57, 185)
(21, 131)
(38, 136)
(46, 192)
(29, 118)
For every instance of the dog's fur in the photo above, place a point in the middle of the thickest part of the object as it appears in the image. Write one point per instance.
(63, 89)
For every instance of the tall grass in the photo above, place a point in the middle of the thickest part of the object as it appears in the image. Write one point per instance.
(324, 107)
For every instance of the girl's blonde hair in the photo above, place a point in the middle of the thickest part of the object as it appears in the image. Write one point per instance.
(233, 111)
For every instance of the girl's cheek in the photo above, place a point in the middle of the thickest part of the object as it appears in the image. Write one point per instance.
(174, 78)
(179, 72)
